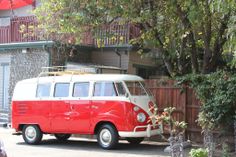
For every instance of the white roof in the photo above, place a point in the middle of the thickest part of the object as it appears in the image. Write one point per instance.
(84, 77)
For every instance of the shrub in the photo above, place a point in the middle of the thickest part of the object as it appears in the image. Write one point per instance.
(216, 92)
(200, 152)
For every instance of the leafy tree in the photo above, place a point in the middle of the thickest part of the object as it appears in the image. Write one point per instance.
(191, 36)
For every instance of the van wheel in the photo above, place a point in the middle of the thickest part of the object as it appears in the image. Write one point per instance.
(135, 141)
(62, 137)
(32, 134)
(107, 136)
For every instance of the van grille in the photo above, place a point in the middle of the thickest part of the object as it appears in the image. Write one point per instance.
(22, 108)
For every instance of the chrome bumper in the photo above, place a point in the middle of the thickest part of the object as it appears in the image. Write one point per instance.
(147, 133)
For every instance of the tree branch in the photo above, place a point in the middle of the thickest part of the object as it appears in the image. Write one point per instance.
(187, 24)
(165, 58)
(220, 40)
(207, 39)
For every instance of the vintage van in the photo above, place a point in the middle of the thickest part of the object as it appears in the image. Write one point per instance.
(110, 106)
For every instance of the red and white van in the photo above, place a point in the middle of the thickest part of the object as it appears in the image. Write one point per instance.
(110, 106)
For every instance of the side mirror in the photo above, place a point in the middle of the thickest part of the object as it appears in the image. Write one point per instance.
(126, 95)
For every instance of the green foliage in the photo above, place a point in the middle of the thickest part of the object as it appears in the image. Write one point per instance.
(216, 92)
(184, 33)
(200, 152)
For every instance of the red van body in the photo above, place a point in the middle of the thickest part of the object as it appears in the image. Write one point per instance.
(107, 105)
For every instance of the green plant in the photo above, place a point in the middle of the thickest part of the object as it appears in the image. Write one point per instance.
(199, 152)
(216, 91)
(175, 127)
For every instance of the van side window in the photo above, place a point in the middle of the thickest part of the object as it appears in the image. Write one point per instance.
(61, 90)
(43, 90)
(120, 88)
(81, 89)
(104, 89)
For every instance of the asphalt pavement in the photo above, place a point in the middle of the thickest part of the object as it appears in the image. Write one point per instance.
(76, 147)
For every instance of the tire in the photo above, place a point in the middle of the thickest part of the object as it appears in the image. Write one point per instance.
(135, 141)
(107, 136)
(62, 137)
(32, 134)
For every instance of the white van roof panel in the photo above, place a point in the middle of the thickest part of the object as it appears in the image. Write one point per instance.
(84, 77)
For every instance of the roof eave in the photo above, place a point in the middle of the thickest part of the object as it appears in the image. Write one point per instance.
(24, 45)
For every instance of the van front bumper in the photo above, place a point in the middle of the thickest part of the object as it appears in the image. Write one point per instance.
(147, 133)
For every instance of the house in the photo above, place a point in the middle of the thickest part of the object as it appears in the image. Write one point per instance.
(22, 55)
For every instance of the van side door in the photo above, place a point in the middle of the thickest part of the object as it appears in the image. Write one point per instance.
(109, 103)
(80, 108)
(60, 116)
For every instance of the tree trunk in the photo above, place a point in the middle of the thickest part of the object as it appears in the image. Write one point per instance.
(207, 40)
(208, 142)
(187, 24)
(193, 53)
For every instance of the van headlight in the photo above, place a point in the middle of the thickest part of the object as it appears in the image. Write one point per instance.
(141, 117)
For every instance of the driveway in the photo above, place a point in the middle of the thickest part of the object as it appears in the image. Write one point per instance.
(76, 147)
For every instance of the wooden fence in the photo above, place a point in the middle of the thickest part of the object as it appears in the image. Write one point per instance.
(183, 99)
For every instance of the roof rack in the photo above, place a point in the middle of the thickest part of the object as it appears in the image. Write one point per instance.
(63, 70)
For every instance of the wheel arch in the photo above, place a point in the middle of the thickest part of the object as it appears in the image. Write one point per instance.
(99, 124)
(21, 126)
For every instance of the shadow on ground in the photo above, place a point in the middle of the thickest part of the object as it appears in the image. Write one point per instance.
(145, 148)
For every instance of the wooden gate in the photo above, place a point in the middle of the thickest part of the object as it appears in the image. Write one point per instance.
(183, 99)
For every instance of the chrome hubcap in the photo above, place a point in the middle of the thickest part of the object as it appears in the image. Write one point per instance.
(30, 133)
(105, 137)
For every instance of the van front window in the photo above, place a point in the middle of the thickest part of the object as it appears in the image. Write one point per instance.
(136, 88)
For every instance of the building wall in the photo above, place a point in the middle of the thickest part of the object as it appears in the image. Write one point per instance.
(4, 85)
(110, 58)
(26, 65)
(23, 11)
(21, 66)
(80, 56)
(137, 59)
(5, 15)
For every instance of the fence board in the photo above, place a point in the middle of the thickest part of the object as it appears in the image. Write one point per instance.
(183, 99)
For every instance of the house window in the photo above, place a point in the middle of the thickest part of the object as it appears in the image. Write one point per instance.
(81, 89)
(104, 89)
(43, 90)
(61, 90)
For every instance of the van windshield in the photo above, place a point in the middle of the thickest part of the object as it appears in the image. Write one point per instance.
(136, 88)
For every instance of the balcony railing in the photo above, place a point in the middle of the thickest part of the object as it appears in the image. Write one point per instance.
(21, 29)
(116, 34)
